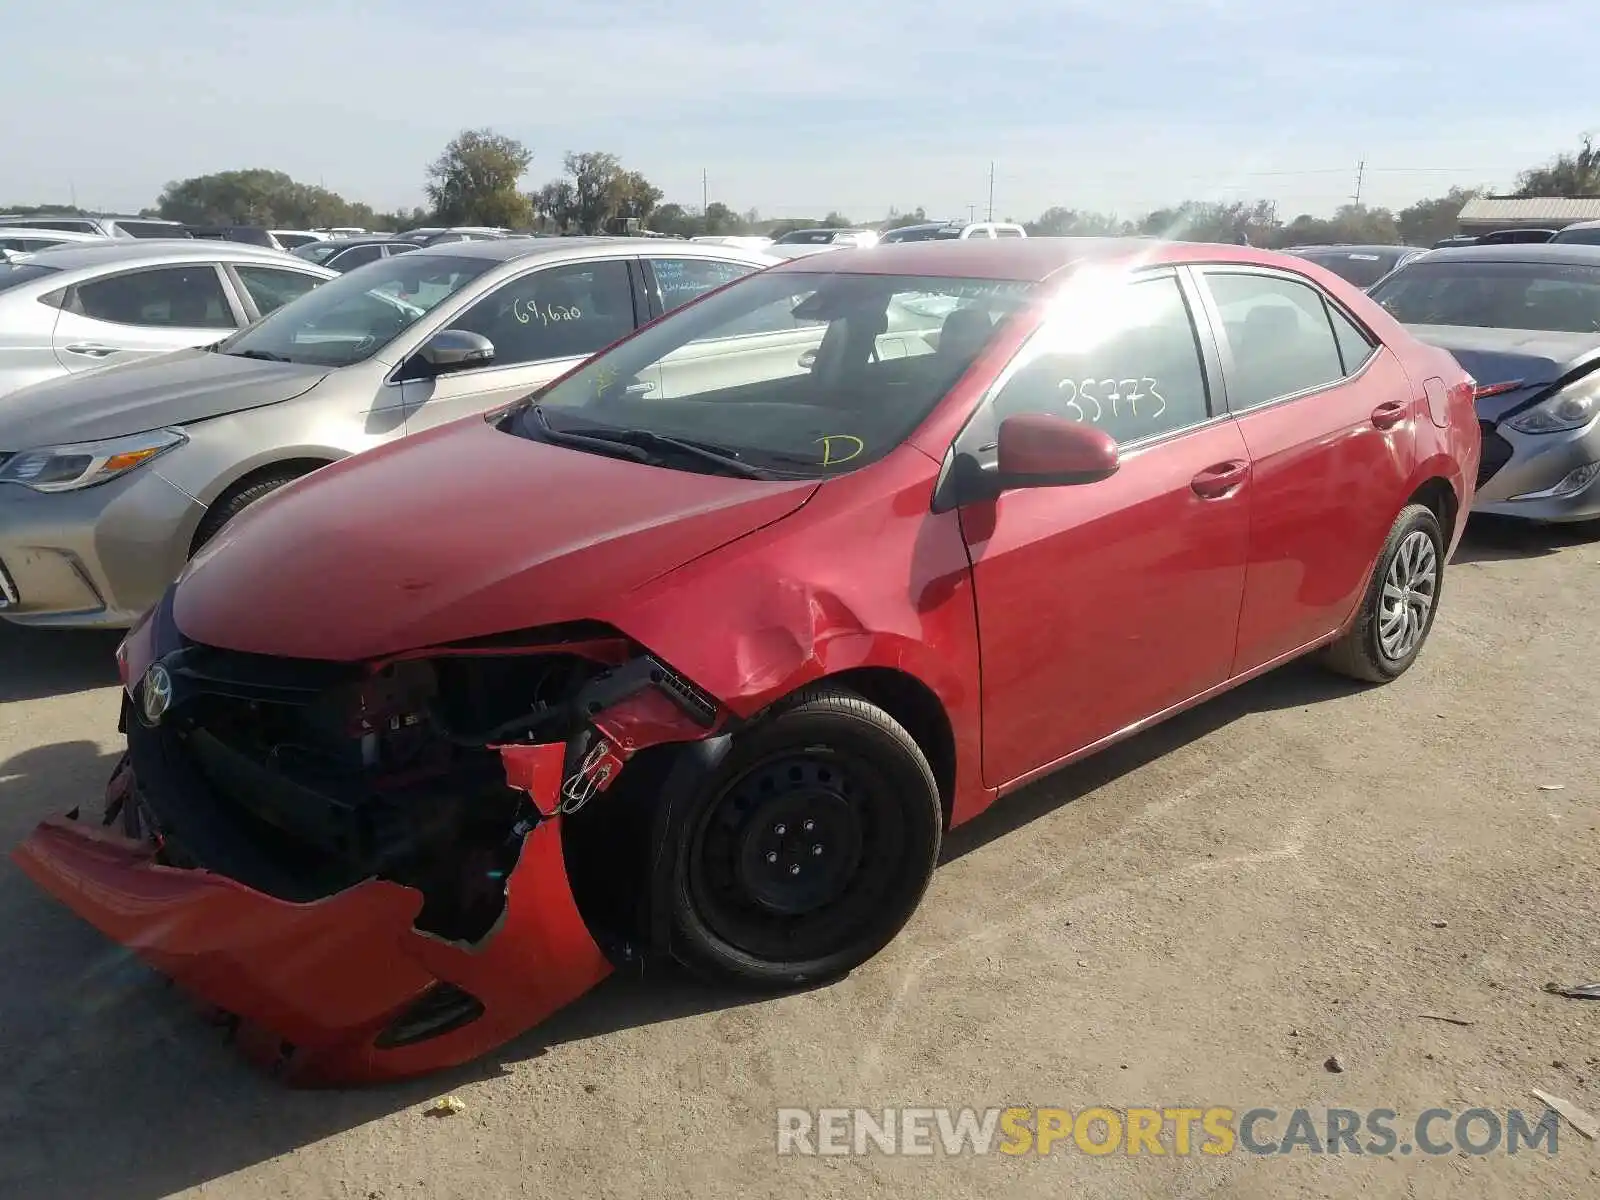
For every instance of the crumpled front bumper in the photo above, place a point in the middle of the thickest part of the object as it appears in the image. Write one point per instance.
(315, 987)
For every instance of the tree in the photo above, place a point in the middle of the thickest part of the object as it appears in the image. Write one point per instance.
(474, 181)
(1568, 175)
(1429, 221)
(899, 220)
(1238, 223)
(836, 220)
(1352, 224)
(257, 196)
(1067, 222)
(675, 221)
(596, 194)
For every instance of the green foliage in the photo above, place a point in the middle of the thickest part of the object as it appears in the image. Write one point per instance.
(474, 181)
(596, 195)
(1567, 175)
(257, 196)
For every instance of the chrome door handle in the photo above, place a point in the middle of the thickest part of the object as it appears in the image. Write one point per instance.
(92, 349)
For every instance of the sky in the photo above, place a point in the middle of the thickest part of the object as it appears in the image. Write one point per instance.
(797, 110)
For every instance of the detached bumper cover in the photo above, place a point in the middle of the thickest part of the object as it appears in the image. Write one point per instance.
(315, 985)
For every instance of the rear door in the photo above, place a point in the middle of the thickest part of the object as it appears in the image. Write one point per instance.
(1105, 604)
(541, 323)
(132, 314)
(1329, 417)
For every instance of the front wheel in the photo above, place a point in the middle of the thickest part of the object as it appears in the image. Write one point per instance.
(1402, 599)
(809, 849)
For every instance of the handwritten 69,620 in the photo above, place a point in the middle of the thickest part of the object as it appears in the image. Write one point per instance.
(1089, 399)
(531, 312)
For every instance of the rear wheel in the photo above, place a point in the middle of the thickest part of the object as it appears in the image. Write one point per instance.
(1402, 598)
(810, 848)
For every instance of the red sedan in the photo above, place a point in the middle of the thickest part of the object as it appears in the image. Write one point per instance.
(700, 650)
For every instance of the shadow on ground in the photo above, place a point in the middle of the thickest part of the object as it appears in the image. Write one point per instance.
(37, 663)
(1496, 539)
(111, 1088)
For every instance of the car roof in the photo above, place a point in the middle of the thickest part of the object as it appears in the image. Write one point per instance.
(1022, 259)
(73, 256)
(1580, 225)
(513, 248)
(1572, 254)
(1342, 248)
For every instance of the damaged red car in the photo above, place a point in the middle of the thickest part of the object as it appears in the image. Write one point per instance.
(700, 650)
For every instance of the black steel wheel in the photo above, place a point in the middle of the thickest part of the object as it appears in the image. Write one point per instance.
(810, 848)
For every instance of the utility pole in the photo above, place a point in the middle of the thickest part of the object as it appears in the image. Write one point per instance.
(1361, 170)
(991, 191)
(972, 213)
(705, 193)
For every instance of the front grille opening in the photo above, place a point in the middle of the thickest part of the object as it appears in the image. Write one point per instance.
(1496, 452)
(442, 1009)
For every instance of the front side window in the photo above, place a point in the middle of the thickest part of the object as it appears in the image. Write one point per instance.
(16, 274)
(681, 280)
(64, 224)
(557, 312)
(1587, 236)
(180, 297)
(1116, 353)
(1280, 336)
(355, 256)
(272, 288)
(352, 318)
(797, 373)
(1558, 297)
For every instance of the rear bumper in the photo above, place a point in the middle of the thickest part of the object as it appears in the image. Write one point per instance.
(315, 987)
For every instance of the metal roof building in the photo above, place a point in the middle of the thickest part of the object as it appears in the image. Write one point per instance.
(1484, 213)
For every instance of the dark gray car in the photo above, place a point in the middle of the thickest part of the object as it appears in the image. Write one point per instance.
(1524, 320)
(111, 480)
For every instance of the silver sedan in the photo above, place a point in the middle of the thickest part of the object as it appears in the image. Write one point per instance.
(111, 481)
(74, 308)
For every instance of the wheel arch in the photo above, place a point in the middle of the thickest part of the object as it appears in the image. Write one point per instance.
(248, 475)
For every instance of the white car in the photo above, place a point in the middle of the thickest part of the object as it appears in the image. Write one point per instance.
(20, 239)
(952, 231)
(78, 306)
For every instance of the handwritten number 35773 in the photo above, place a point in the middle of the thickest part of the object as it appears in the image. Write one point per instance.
(1080, 396)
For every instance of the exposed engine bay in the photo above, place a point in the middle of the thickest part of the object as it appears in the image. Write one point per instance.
(303, 778)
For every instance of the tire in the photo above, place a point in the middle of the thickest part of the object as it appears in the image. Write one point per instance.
(1366, 651)
(235, 502)
(754, 899)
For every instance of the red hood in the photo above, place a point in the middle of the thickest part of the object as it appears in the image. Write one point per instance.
(457, 533)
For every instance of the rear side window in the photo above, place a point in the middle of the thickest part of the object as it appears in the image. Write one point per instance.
(1280, 336)
(684, 279)
(1003, 232)
(16, 274)
(151, 229)
(355, 256)
(1354, 346)
(272, 288)
(1119, 355)
(180, 297)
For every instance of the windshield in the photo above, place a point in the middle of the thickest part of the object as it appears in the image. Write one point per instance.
(1557, 297)
(808, 237)
(1360, 267)
(317, 251)
(152, 229)
(807, 374)
(1589, 235)
(349, 319)
(14, 274)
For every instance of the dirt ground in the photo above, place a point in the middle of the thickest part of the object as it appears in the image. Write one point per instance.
(1201, 916)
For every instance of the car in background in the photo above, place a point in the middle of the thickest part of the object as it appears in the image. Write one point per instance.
(25, 241)
(340, 231)
(1579, 233)
(90, 536)
(1360, 265)
(953, 231)
(77, 307)
(1514, 237)
(833, 238)
(440, 235)
(344, 254)
(251, 235)
(1524, 320)
(291, 239)
(743, 241)
(698, 653)
(118, 227)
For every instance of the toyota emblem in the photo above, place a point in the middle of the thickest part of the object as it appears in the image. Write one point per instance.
(155, 696)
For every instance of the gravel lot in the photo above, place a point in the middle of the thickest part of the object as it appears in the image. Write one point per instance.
(1201, 916)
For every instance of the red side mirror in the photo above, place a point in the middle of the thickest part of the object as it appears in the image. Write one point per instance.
(1044, 450)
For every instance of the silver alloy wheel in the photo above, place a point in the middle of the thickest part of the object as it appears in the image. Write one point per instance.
(1409, 590)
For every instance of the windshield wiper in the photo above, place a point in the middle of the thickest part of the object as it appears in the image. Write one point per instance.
(263, 355)
(642, 441)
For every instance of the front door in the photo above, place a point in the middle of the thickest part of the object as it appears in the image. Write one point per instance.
(1329, 418)
(541, 324)
(1103, 604)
